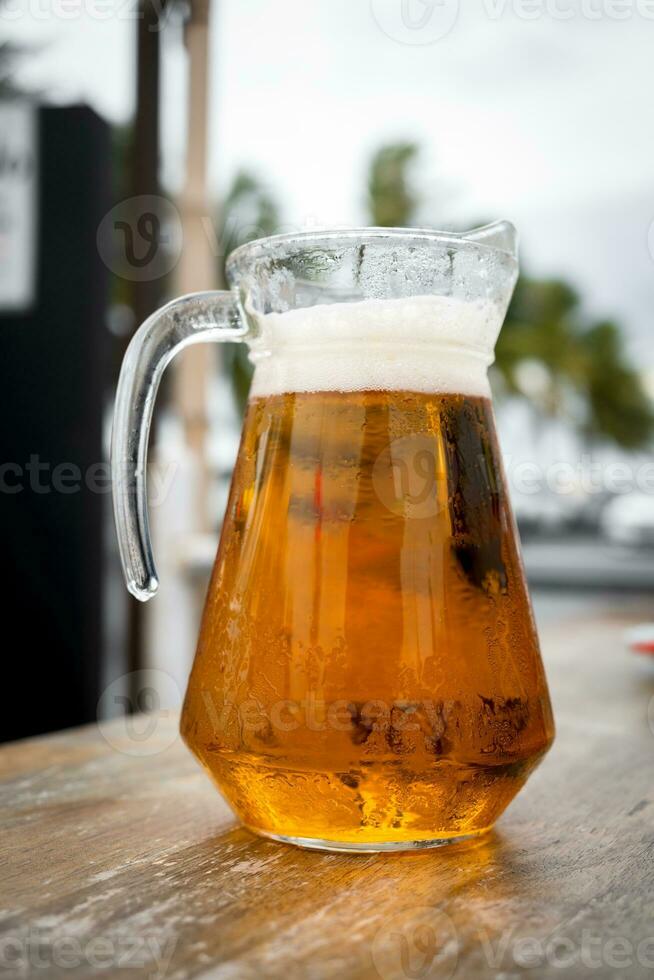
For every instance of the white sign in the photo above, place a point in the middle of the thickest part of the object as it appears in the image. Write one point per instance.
(18, 205)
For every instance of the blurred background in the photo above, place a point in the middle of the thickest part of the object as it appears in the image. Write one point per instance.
(140, 142)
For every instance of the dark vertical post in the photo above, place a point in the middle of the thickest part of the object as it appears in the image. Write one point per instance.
(53, 376)
(146, 294)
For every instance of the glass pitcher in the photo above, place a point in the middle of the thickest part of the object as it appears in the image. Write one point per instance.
(367, 675)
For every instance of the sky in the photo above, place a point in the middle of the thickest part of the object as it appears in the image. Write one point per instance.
(538, 112)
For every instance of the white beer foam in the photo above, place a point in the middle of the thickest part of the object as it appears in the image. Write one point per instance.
(431, 344)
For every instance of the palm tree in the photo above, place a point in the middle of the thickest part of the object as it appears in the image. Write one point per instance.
(619, 407)
(392, 201)
(249, 211)
(589, 377)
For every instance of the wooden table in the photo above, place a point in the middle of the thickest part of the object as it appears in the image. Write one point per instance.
(115, 865)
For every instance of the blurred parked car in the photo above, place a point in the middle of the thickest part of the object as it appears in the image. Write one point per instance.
(546, 512)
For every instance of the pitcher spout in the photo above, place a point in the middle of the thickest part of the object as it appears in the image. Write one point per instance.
(501, 235)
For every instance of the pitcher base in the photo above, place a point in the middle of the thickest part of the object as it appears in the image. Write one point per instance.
(369, 847)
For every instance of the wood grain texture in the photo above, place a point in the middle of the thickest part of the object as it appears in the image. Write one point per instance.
(123, 866)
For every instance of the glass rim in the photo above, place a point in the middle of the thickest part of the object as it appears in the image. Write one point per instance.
(291, 242)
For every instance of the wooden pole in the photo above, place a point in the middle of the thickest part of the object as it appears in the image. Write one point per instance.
(197, 269)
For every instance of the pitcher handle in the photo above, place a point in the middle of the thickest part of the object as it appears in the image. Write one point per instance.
(190, 319)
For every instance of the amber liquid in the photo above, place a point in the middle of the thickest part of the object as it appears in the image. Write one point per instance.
(368, 670)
